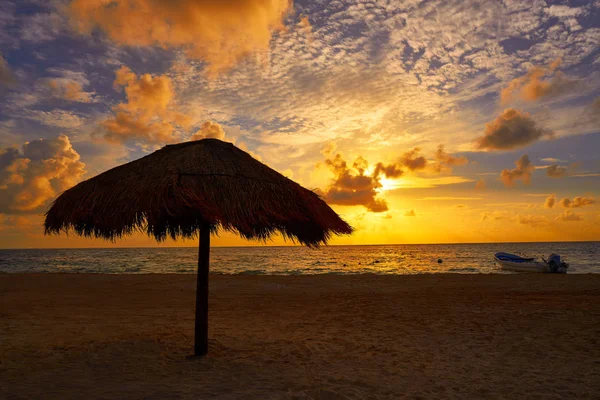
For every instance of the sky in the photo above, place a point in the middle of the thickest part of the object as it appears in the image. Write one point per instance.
(417, 121)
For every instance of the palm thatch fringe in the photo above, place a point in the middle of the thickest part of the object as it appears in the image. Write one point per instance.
(175, 190)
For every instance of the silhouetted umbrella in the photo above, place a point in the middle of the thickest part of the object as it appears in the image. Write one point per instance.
(195, 188)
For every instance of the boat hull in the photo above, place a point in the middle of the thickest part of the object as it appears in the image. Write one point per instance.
(530, 266)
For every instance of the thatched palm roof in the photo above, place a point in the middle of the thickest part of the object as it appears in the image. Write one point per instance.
(175, 190)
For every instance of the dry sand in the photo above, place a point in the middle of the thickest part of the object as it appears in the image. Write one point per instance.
(303, 337)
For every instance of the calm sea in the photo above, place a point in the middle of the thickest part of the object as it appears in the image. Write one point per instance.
(385, 259)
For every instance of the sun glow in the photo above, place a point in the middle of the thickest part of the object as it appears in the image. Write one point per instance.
(390, 184)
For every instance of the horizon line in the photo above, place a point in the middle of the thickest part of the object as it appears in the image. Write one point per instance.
(296, 245)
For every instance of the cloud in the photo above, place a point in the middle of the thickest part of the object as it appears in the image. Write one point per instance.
(569, 216)
(41, 26)
(68, 85)
(329, 149)
(218, 32)
(14, 220)
(305, 23)
(510, 130)
(7, 77)
(67, 89)
(480, 185)
(522, 172)
(416, 182)
(532, 220)
(209, 130)
(556, 171)
(531, 87)
(591, 115)
(57, 118)
(351, 186)
(410, 213)
(147, 115)
(31, 179)
(445, 161)
(391, 170)
(331, 89)
(595, 107)
(356, 186)
(553, 159)
(580, 201)
(451, 198)
(244, 146)
(486, 215)
(550, 201)
(565, 11)
(413, 161)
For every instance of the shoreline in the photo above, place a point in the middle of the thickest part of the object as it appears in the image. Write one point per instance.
(69, 335)
(299, 275)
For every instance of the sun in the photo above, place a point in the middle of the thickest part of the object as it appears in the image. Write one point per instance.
(390, 184)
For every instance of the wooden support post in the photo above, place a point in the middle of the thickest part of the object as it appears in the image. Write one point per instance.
(201, 328)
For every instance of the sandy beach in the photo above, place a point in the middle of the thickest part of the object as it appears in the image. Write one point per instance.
(74, 336)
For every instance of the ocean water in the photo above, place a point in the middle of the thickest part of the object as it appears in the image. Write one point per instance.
(582, 257)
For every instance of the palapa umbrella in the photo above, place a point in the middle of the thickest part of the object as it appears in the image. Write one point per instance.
(195, 188)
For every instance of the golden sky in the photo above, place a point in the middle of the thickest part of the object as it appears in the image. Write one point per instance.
(417, 121)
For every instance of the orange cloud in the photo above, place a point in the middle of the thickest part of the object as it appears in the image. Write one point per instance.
(531, 87)
(580, 201)
(67, 89)
(147, 115)
(486, 215)
(306, 27)
(550, 201)
(568, 216)
(413, 161)
(209, 130)
(522, 172)
(410, 213)
(556, 171)
(14, 220)
(305, 22)
(351, 186)
(391, 170)
(329, 149)
(218, 32)
(445, 161)
(510, 130)
(29, 180)
(354, 186)
(480, 185)
(532, 220)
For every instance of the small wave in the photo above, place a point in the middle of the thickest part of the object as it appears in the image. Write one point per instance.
(293, 272)
(252, 272)
(84, 270)
(318, 262)
(464, 269)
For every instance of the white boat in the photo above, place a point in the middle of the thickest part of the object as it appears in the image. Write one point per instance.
(512, 262)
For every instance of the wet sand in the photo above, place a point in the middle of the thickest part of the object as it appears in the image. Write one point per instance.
(71, 336)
